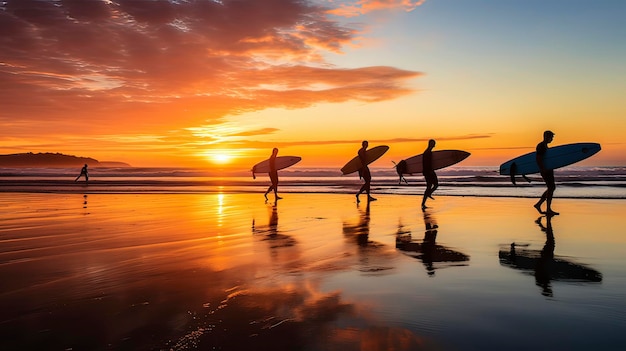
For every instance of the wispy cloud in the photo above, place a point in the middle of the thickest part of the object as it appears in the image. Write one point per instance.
(255, 144)
(351, 8)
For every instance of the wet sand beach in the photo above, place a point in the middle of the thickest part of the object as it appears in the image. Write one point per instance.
(312, 272)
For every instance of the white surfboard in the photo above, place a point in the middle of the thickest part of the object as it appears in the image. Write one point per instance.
(371, 155)
(281, 163)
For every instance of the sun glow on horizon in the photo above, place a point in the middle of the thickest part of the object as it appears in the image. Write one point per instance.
(222, 158)
(219, 157)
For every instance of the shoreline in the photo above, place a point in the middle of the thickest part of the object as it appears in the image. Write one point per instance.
(235, 192)
(567, 192)
(573, 182)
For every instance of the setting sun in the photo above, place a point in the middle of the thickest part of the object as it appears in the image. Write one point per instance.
(219, 156)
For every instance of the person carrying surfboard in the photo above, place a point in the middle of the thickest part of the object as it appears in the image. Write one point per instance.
(546, 174)
(273, 173)
(364, 172)
(432, 183)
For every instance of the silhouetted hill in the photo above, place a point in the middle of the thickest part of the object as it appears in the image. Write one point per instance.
(53, 160)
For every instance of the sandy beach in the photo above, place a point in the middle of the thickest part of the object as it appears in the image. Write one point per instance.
(312, 272)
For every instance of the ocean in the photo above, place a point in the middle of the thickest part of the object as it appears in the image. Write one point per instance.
(572, 182)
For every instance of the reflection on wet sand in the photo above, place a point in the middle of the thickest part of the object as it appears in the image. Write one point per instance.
(187, 272)
(275, 239)
(360, 232)
(373, 256)
(428, 251)
(134, 274)
(544, 265)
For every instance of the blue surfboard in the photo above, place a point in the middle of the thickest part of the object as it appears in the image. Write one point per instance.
(556, 157)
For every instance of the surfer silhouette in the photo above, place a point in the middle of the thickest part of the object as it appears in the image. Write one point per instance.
(432, 183)
(364, 172)
(83, 172)
(273, 173)
(546, 174)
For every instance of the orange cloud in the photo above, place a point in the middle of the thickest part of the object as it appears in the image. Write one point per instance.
(267, 145)
(98, 67)
(360, 7)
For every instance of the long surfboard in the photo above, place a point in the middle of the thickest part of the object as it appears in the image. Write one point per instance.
(556, 157)
(371, 155)
(281, 162)
(441, 159)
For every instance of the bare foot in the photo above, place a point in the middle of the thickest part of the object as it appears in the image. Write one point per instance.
(371, 199)
(357, 198)
(538, 207)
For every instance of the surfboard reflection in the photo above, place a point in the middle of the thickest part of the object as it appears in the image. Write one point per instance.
(544, 265)
(432, 255)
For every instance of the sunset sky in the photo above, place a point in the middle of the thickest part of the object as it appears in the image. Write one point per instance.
(210, 83)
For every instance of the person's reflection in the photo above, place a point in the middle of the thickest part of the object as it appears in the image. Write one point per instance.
(428, 251)
(373, 257)
(85, 201)
(546, 258)
(429, 244)
(272, 226)
(273, 222)
(361, 231)
(544, 265)
(272, 235)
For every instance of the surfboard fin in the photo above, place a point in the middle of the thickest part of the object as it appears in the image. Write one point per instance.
(400, 169)
(513, 171)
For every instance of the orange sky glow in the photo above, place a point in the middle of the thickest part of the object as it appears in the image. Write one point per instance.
(218, 84)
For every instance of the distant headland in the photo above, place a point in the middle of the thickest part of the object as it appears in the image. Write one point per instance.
(49, 159)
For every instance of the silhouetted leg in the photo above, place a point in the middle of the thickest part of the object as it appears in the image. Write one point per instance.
(426, 195)
(271, 187)
(549, 194)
